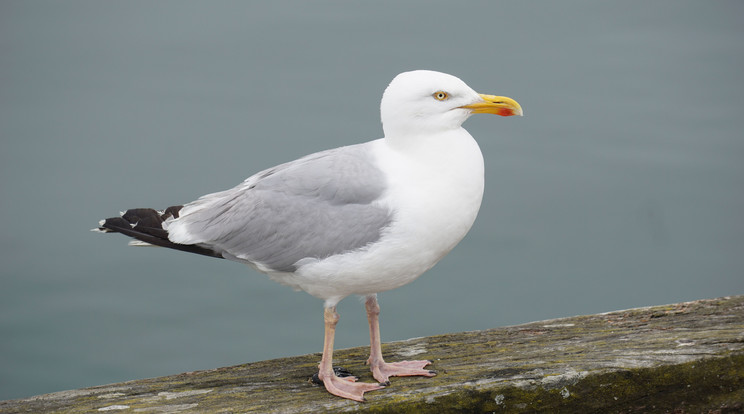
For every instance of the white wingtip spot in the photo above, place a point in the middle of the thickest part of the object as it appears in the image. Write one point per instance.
(97, 230)
(140, 243)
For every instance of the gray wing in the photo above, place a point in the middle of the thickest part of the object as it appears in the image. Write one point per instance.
(316, 206)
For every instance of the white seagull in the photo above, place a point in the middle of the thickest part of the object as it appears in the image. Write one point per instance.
(355, 220)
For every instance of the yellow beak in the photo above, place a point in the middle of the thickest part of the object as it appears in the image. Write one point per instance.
(499, 105)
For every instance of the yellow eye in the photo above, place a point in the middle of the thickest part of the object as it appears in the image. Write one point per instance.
(441, 95)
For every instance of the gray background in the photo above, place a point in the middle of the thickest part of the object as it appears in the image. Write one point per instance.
(621, 187)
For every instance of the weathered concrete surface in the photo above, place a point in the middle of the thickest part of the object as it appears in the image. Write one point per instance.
(681, 358)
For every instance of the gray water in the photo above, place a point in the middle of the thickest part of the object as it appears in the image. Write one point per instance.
(621, 187)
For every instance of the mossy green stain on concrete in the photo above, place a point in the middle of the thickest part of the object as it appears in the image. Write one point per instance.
(639, 390)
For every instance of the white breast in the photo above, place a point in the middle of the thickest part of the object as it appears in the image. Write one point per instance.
(435, 191)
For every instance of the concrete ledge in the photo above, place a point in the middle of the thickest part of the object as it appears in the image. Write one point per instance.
(686, 357)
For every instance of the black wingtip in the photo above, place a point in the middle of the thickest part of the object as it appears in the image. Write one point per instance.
(146, 224)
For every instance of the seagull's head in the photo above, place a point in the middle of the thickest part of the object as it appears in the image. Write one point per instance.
(425, 102)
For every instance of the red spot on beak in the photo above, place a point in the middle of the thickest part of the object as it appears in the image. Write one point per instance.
(505, 112)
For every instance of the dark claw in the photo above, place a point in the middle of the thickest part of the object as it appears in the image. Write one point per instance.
(338, 371)
(432, 372)
(342, 372)
(385, 384)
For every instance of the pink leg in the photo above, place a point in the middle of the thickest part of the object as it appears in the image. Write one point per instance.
(345, 387)
(382, 370)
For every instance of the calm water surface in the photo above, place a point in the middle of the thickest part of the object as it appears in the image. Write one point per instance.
(622, 186)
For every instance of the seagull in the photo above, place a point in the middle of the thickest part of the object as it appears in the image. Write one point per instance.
(355, 220)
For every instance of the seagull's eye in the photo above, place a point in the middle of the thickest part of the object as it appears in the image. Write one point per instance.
(440, 96)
